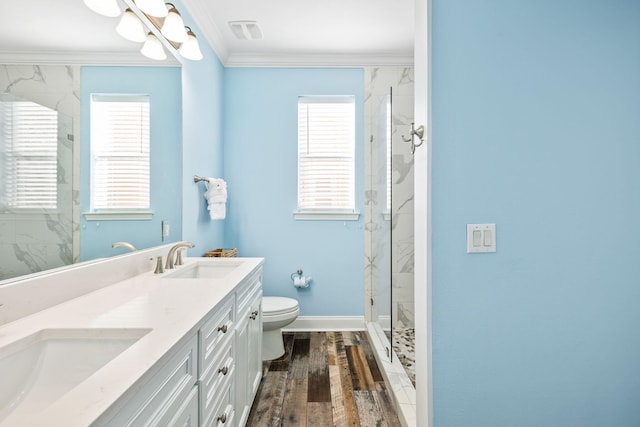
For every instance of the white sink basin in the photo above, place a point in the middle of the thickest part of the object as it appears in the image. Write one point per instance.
(204, 270)
(39, 369)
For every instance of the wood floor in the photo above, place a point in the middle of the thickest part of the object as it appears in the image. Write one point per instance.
(323, 379)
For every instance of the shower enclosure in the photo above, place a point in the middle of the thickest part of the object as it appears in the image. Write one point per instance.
(389, 281)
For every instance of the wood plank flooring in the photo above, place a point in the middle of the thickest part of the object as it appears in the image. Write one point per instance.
(323, 379)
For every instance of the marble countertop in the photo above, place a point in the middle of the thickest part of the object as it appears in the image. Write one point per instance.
(172, 309)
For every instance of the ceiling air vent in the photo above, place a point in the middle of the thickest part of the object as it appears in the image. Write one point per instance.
(246, 30)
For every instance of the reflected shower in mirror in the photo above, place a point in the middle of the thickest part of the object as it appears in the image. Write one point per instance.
(39, 108)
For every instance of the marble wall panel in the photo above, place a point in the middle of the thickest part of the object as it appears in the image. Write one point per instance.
(46, 238)
(389, 234)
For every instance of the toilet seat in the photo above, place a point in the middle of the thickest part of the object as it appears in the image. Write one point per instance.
(274, 306)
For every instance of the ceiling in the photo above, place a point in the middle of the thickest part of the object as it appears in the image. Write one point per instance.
(296, 33)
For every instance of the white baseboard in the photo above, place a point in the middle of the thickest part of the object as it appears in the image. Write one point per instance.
(327, 323)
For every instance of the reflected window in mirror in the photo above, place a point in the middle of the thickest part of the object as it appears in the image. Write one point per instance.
(120, 153)
(29, 149)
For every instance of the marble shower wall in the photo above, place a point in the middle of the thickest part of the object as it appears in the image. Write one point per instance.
(389, 237)
(39, 239)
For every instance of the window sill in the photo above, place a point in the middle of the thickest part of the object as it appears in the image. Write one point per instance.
(119, 216)
(326, 216)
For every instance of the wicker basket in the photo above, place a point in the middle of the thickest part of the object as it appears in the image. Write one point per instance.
(222, 252)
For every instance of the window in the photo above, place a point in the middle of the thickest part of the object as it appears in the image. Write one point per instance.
(29, 149)
(326, 146)
(120, 155)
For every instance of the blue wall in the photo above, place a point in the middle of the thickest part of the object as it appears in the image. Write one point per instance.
(260, 158)
(163, 86)
(536, 127)
(202, 83)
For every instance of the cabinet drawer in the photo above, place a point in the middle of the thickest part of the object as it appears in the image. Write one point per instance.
(214, 335)
(245, 295)
(222, 372)
(164, 393)
(187, 415)
(216, 401)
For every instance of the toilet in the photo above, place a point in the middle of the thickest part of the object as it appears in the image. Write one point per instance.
(277, 312)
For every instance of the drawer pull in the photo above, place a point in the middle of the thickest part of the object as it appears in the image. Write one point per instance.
(224, 370)
(222, 418)
(254, 314)
(223, 328)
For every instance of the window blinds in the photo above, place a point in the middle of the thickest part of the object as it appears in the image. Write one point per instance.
(120, 152)
(30, 149)
(326, 144)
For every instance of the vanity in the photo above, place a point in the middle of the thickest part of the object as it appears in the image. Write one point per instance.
(137, 348)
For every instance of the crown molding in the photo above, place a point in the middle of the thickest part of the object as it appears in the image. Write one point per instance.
(84, 58)
(317, 60)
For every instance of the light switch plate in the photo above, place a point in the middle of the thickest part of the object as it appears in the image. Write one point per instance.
(166, 230)
(481, 238)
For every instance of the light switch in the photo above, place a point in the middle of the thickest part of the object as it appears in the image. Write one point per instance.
(481, 238)
(477, 238)
(488, 237)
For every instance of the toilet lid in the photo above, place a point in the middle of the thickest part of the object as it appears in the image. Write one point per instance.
(278, 305)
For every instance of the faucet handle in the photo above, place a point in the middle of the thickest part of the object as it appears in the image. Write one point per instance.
(159, 268)
(179, 257)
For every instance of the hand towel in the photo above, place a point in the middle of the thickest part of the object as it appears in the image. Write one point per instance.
(216, 196)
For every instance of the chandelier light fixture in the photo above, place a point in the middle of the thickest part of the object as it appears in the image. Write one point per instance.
(173, 27)
(153, 48)
(131, 28)
(190, 49)
(152, 23)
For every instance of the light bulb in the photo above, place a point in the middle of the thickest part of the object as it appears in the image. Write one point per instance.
(152, 7)
(153, 48)
(173, 27)
(104, 7)
(191, 49)
(130, 27)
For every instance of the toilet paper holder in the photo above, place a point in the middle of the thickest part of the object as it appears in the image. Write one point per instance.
(300, 281)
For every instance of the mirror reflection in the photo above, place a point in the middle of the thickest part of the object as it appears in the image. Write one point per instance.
(38, 194)
(46, 216)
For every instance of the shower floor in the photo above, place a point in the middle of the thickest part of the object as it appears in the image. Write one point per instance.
(405, 348)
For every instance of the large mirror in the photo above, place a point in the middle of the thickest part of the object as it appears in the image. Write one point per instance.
(44, 137)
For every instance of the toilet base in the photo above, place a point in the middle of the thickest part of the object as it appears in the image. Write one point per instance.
(272, 344)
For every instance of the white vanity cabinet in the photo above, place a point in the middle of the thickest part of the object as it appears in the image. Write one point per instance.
(212, 379)
(248, 345)
(167, 399)
(218, 366)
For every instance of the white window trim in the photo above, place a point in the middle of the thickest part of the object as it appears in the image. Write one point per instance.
(332, 215)
(119, 215)
(327, 214)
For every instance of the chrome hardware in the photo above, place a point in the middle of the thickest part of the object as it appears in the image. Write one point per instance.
(223, 328)
(159, 268)
(197, 178)
(223, 370)
(222, 418)
(169, 265)
(419, 132)
(124, 245)
(254, 314)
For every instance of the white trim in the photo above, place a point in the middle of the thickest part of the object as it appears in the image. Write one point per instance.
(422, 216)
(402, 391)
(326, 216)
(327, 323)
(119, 216)
(303, 60)
(84, 58)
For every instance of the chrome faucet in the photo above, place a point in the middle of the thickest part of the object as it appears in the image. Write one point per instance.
(169, 265)
(124, 245)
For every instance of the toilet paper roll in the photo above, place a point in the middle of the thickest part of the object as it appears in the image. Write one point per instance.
(300, 282)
